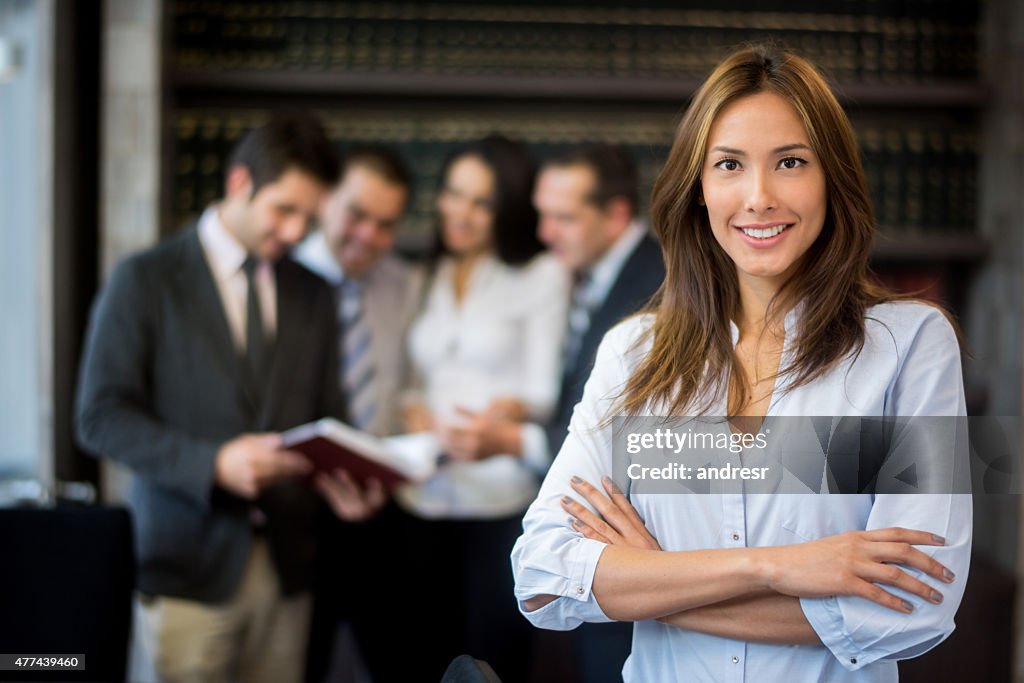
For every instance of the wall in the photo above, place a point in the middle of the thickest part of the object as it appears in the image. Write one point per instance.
(26, 272)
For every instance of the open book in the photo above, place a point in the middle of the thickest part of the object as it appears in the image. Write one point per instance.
(330, 444)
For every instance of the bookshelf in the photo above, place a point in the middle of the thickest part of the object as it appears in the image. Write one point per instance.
(425, 76)
(646, 89)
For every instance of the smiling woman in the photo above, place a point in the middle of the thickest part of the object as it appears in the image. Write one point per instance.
(767, 310)
(765, 200)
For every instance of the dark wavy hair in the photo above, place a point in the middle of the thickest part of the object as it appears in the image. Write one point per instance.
(514, 226)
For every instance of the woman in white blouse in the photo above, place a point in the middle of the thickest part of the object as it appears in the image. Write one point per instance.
(767, 310)
(488, 339)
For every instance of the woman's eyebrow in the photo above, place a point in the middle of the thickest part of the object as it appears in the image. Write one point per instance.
(777, 150)
(790, 148)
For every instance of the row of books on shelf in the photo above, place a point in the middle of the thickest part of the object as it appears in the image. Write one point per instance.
(922, 179)
(807, 13)
(854, 45)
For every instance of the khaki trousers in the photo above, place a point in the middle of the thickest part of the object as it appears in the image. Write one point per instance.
(258, 636)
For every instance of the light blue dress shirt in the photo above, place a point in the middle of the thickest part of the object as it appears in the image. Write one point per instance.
(909, 366)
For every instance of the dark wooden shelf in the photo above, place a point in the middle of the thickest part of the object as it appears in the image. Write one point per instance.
(652, 89)
(930, 94)
(947, 248)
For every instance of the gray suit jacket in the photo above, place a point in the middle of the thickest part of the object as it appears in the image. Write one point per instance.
(161, 390)
(391, 301)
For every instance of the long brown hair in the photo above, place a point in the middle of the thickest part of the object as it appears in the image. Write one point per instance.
(692, 355)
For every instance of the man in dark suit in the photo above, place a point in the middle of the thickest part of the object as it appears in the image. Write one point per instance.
(199, 352)
(587, 201)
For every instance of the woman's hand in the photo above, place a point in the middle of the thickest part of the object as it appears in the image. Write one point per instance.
(618, 523)
(477, 436)
(852, 563)
(416, 417)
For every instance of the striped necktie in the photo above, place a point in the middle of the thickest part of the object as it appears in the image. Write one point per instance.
(357, 366)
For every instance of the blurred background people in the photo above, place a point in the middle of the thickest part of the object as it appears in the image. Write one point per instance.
(199, 351)
(586, 198)
(377, 292)
(376, 296)
(486, 341)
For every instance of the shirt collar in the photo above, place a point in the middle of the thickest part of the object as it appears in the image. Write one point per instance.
(604, 273)
(314, 253)
(223, 251)
(789, 323)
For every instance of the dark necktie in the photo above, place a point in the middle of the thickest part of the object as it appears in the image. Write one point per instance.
(257, 350)
(579, 321)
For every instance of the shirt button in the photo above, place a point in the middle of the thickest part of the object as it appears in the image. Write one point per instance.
(735, 537)
(735, 660)
(853, 661)
(579, 591)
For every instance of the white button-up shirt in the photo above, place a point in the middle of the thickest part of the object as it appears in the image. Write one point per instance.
(910, 366)
(502, 340)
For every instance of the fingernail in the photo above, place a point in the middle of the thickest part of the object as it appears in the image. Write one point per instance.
(939, 539)
(576, 523)
(576, 480)
(566, 500)
(907, 606)
(936, 597)
(948, 575)
(611, 484)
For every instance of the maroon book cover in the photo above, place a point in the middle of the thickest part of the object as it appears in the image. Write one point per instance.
(330, 445)
(327, 455)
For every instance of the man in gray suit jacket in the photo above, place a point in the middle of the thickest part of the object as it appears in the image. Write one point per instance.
(199, 352)
(353, 252)
(356, 245)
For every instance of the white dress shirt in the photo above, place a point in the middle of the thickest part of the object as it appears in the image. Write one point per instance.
(503, 340)
(225, 256)
(910, 366)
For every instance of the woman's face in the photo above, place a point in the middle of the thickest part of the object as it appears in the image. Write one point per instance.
(764, 188)
(466, 207)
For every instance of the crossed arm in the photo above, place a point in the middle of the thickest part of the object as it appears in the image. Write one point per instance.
(744, 593)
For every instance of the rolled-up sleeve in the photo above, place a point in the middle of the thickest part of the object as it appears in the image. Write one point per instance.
(858, 631)
(561, 565)
(551, 558)
(855, 630)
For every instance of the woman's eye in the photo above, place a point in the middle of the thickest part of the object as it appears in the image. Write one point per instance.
(728, 164)
(792, 162)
